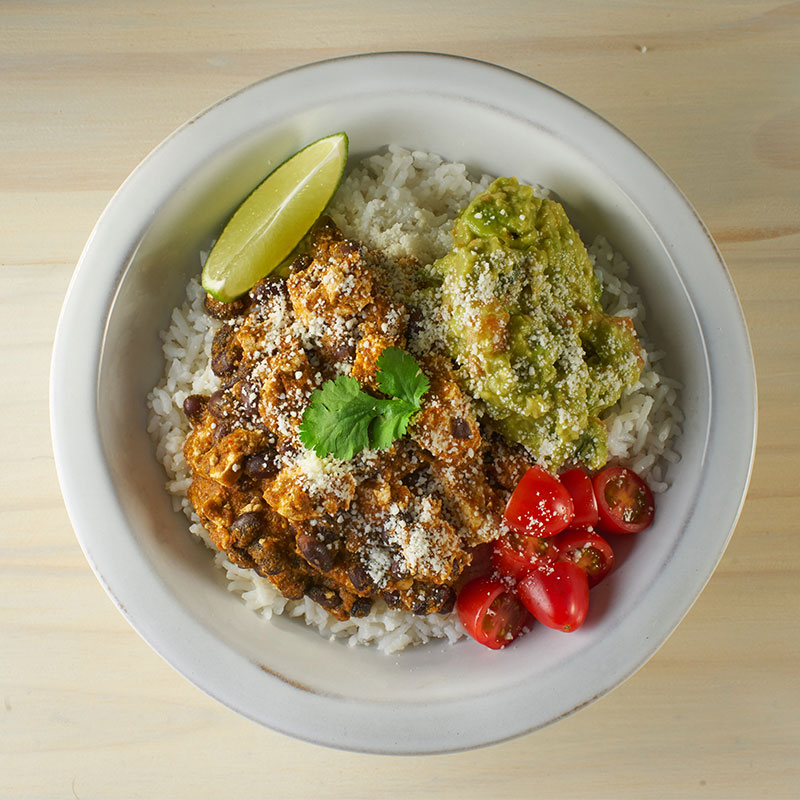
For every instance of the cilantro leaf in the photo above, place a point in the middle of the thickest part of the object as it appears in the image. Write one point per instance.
(337, 419)
(399, 375)
(391, 422)
(342, 419)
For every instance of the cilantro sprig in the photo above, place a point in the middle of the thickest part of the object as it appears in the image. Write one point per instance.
(342, 419)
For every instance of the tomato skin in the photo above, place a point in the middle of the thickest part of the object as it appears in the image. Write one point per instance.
(540, 505)
(624, 501)
(514, 555)
(579, 486)
(490, 612)
(588, 550)
(557, 595)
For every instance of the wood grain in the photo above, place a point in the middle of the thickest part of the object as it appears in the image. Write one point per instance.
(709, 89)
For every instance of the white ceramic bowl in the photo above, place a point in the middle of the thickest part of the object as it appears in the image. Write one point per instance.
(107, 357)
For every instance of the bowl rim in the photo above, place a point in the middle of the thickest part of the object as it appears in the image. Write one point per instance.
(74, 403)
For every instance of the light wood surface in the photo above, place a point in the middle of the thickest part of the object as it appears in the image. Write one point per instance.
(710, 89)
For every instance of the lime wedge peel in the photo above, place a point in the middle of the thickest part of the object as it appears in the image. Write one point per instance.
(274, 217)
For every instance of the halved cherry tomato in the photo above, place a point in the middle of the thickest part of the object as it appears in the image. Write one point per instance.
(540, 505)
(515, 554)
(490, 612)
(579, 486)
(590, 551)
(624, 502)
(557, 595)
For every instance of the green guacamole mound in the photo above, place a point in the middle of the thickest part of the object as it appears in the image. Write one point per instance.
(525, 326)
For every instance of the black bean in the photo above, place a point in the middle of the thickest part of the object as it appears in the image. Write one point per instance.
(386, 536)
(267, 289)
(327, 535)
(193, 406)
(348, 247)
(393, 599)
(399, 568)
(287, 449)
(221, 430)
(361, 607)
(260, 466)
(267, 556)
(345, 352)
(224, 363)
(327, 598)
(460, 428)
(220, 310)
(217, 404)
(359, 578)
(248, 397)
(415, 479)
(247, 527)
(415, 322)
(443, 599)
(302, 262)
(420, 607)
(225, 352)
(315, 552)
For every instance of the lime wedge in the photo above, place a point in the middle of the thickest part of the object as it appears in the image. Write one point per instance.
(274, 218)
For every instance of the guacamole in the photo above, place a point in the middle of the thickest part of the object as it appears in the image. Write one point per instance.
(525, 326)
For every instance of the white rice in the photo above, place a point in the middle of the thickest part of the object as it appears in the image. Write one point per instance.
(402, 203)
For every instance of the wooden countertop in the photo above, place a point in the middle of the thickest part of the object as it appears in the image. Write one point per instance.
(710, 89)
